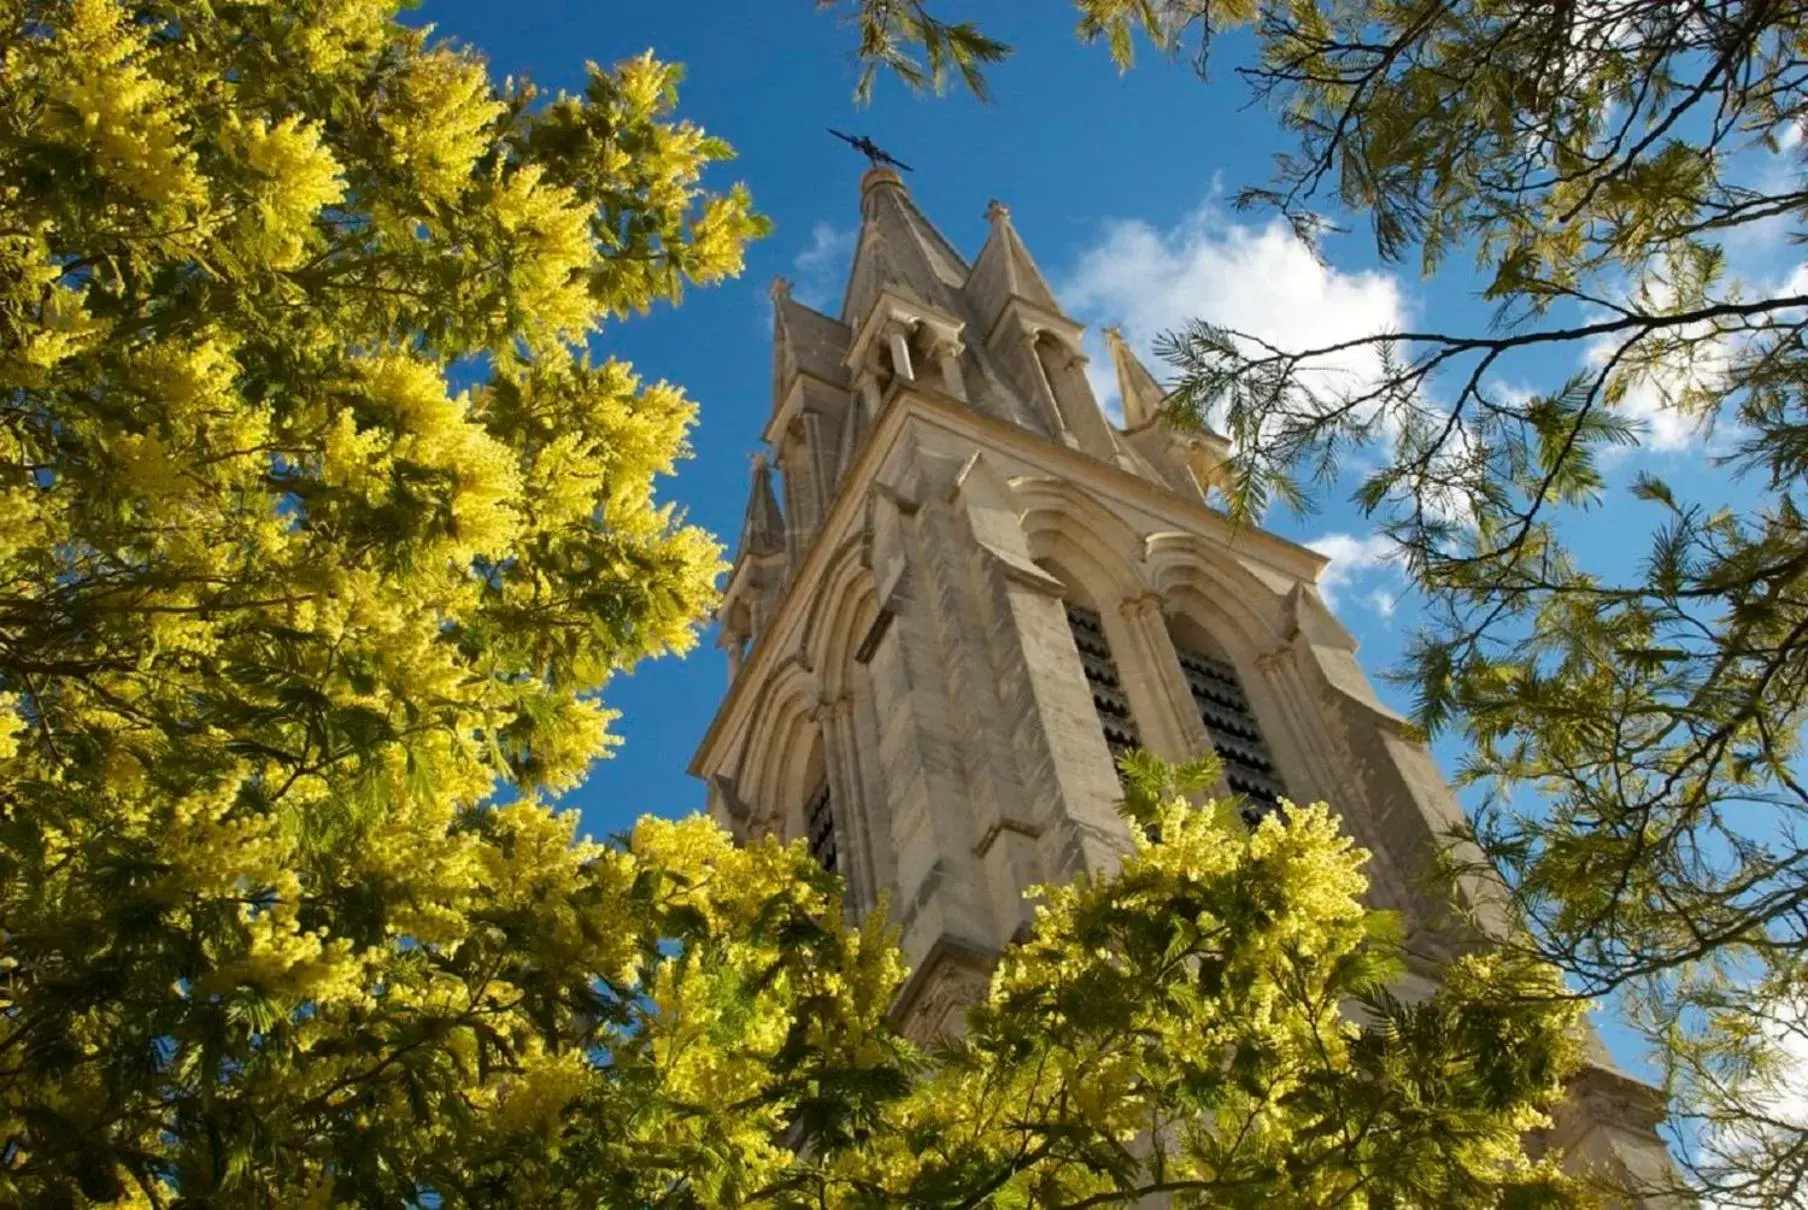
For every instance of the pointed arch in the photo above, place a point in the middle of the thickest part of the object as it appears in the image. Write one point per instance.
(1222, 618)
(785, 719)
(1238, 607)
(1083, 544)
(1231, 722)
(844, 589)
(837, 806)
(1065, 525)
(816, 812)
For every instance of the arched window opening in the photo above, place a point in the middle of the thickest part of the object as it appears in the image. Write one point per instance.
(1108, 696)
(815, 818)
(819, 829)
(1231, 725)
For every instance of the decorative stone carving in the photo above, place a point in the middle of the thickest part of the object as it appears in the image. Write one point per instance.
(1137, 608)
(933, 1001)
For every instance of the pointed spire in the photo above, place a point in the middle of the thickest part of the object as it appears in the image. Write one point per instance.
(1021, 275)
(899, 250)
(1005, 271)
(874, 179)
(1142, 396)
(763, 531)
(784, 357)
(803, 340)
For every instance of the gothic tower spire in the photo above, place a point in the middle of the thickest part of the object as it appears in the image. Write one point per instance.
(1137, 389)
(969, 590)
(763, 528)
(898, 249)
(1006, 269)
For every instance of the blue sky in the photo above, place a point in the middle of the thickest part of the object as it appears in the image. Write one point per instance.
(1117, 184)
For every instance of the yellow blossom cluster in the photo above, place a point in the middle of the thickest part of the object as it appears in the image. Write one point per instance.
(1178, 1027)
(322, 532)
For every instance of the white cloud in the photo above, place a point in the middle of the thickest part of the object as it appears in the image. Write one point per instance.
(1383, 602)
(1790, 1033)
(822, 267)
(1762, 1111)
(1351, 557)
(1665, 395)
(1259, 280)
(1649, 398)
(1763, 260)
(1754, 248)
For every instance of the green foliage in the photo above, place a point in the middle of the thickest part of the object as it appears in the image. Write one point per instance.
(893, 33)
(1596, 159)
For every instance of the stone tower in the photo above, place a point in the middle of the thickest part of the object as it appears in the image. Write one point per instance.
(968, 589)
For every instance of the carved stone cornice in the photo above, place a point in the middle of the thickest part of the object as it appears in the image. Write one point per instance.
(998, 828)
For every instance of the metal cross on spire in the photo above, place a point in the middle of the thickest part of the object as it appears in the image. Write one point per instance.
(871, 150)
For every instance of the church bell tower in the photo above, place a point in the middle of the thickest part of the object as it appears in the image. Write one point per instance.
(960, 590)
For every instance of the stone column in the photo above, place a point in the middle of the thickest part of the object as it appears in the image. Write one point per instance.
(1064, 369)
(1045, 389)
(844, 799)
(1608, 1127)
(945, 355)
(821, 459)
(1168, 719)
(1068, 789)
(866, 770)
(801, 500)
(897, 339)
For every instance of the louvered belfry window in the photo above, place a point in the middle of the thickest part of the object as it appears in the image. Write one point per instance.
(1108, 696)
(819, 827)
(1231, 724)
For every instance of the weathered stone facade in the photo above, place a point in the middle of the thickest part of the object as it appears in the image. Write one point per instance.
(907, 689)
